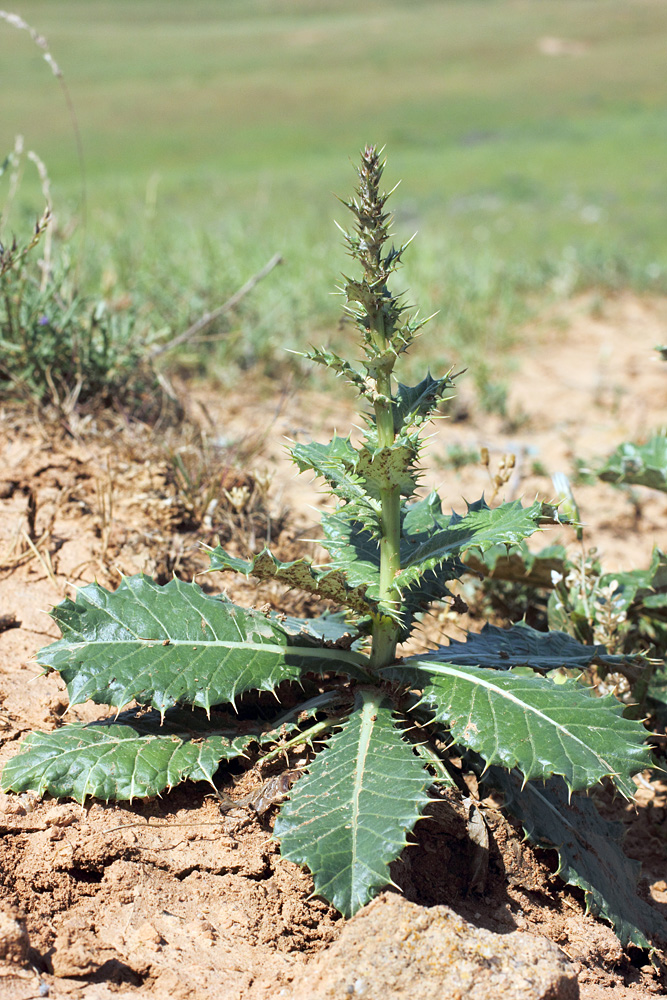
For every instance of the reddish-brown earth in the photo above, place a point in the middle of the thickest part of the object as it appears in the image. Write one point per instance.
(168, 898)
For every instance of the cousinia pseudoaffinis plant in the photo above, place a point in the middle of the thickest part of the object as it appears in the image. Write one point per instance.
(390, 731)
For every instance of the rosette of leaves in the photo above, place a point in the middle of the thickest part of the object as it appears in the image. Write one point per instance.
(389, 729)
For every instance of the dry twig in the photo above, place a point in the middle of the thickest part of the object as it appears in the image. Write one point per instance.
(209, 317)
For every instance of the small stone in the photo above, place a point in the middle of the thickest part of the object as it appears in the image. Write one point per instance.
(401, 951)
(14, 941)
(148, 934)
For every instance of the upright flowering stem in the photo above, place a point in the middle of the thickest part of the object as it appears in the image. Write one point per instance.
(385, 630)
(379, 317)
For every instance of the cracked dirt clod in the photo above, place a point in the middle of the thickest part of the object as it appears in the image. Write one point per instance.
(14, 941)
(398, 950)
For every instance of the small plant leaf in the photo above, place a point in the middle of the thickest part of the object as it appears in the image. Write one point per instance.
(330, 629)
(357, 553)
(645, 588)
(432, 538)
(330, 584)
(523, 646)
(173, 644)
(342, 367)
(111, 760)
(531, 723)
(336, 463)
(362, 473)
(590, 852)
(638, 464)
(353, 549)
(385, 468)
(347, 819)
(414, 404)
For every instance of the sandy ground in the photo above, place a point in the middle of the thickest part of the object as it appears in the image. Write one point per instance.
(168, 898)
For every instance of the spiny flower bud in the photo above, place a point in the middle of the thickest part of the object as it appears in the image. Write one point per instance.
(378, 313)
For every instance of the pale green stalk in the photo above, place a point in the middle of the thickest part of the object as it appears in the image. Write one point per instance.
(385, 630)
(378, 314)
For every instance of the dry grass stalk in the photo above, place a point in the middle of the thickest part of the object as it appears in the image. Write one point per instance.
(227, 306)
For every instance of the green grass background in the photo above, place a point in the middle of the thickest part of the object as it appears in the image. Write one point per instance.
(216, 132)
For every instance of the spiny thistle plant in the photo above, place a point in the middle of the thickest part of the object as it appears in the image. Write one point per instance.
(390, 730)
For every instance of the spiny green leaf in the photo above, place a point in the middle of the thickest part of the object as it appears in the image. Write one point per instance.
(352, 549)
(415, 404)
(359, 475)
(590, 852)
(328, 629)
(639, 464)
(342, 367)
(357, 553)
(164, 645)
(429, 587)
(385, 468)
(117, 761)
(431, 538)
(142, 754)
(646, 588)
(327, 583)
(521, 645)
(529, 722)
(355, 549)
(336, 462)
(347, 819)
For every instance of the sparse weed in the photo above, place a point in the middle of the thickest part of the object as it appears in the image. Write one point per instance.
(64, 352)
(61, 350)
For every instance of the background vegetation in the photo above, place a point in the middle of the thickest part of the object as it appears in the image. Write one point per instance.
(530, 136)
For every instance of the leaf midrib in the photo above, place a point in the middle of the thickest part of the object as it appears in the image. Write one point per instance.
(369, 708)
(260, 647)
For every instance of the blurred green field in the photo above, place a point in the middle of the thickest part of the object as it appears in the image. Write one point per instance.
(530, 137)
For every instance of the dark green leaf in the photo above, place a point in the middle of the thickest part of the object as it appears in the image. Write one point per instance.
(142, 754)
(415, 404)
(359, 475)
(336, 463)
(521, 645)
(164, 645)
(357, 553)
(347, 819)
(530, 722)
(431, 538)
(353, 550)
(330, 584)
(116, 761)
(590, 851)
(330, 629)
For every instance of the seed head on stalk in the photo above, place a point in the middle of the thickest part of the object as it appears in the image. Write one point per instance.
(378, 313)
